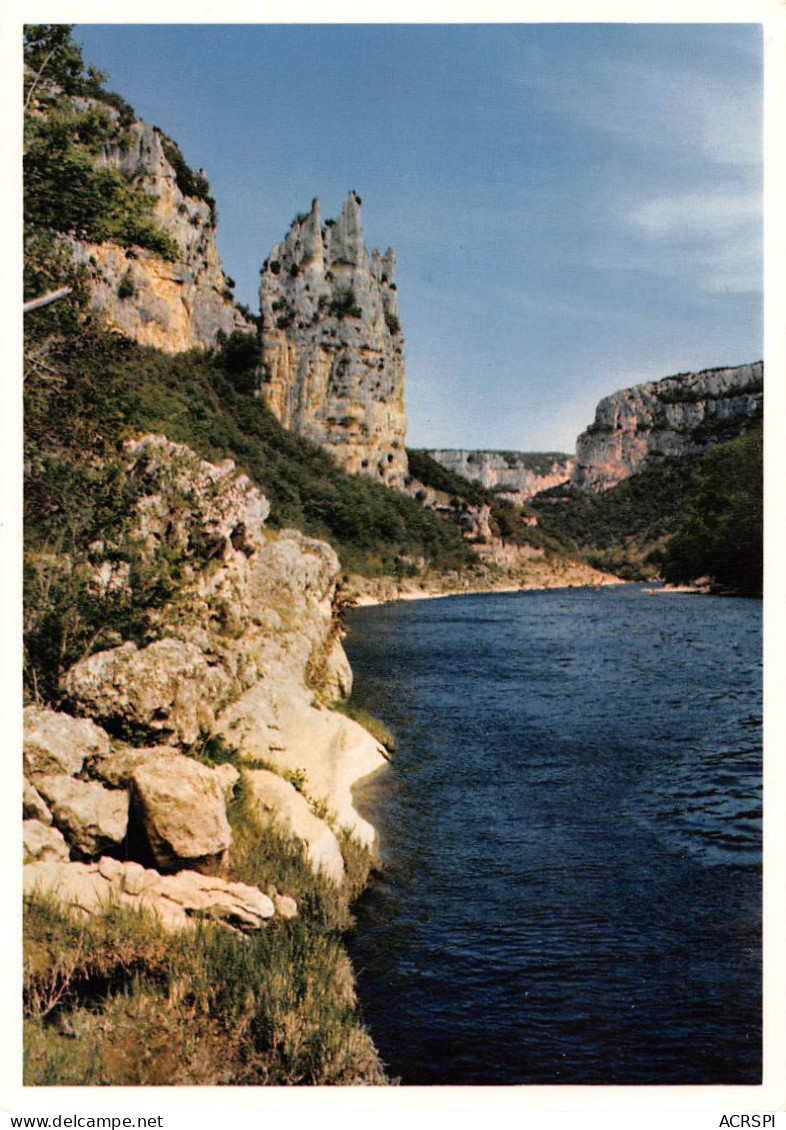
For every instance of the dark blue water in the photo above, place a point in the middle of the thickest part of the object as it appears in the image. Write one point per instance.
(570, 838)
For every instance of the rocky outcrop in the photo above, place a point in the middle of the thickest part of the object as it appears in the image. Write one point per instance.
(167, 686)
(173, 305)
(43, 842)
(332, 343)
(177, 901)
(249, 652)
(680, 415)
(514, 475)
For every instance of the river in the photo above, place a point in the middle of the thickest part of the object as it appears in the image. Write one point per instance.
(570, 881)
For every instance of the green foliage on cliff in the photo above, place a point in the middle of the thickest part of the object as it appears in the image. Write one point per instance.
(618, 529)
(85, 392)
(720, 532)
(69, 119)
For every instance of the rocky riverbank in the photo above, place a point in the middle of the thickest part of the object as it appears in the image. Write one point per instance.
(193, 779)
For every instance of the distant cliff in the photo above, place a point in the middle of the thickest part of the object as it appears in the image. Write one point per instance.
(681, 415)
(332, 343)
(515, 475)
(173, 303)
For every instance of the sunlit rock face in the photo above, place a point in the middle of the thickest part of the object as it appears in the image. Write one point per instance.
(332, 343)
(681, 415)
(172, 305)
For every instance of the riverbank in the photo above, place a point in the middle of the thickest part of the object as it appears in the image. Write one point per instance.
(361, 592)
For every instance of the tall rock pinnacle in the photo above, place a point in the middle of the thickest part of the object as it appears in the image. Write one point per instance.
(333, 348)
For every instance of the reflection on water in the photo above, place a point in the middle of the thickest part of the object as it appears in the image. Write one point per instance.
(570, 836)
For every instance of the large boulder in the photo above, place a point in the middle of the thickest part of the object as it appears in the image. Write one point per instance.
(275, 799)
(92, 819)
(180, 806)
(178, 901)
(41, 841)
(59, 744)
(288, 731)
(168, 686)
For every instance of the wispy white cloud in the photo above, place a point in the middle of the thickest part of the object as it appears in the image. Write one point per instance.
(714, 237)
(673, 106)
(698, 215)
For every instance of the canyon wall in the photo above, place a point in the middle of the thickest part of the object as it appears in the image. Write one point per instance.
(332, 343)
(680, 415)
(511, 474)
(173, 304)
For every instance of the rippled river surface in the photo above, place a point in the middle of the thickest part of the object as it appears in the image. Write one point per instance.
(570, 838)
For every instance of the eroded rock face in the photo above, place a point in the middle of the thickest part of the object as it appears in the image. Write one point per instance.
(515, 475)
(167, 686)
(681, 415)
(178, 901)
(34, 806)
(180, 805)
(174, 305)
(332, 343)
(251, 655)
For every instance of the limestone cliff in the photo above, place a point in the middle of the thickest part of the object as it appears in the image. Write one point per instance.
(332, 343)
(175, 304)
(680, 415)
(515, 475)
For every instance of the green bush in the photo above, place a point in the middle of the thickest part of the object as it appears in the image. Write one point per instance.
(344, 304)
(720, 531)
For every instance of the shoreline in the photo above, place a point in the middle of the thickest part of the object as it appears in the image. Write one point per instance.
(366, 599)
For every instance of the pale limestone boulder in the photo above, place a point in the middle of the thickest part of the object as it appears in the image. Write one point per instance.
(180, 806)
(275, 799)
(34, 806)
(282, 726)
(167, 686)
(56, 743)
(178, 901)
(39, 841)
(93, 819)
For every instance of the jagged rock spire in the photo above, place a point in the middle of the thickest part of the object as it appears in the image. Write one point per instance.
(332, 342)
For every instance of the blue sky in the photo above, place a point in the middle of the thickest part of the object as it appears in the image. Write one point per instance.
(574, 207)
